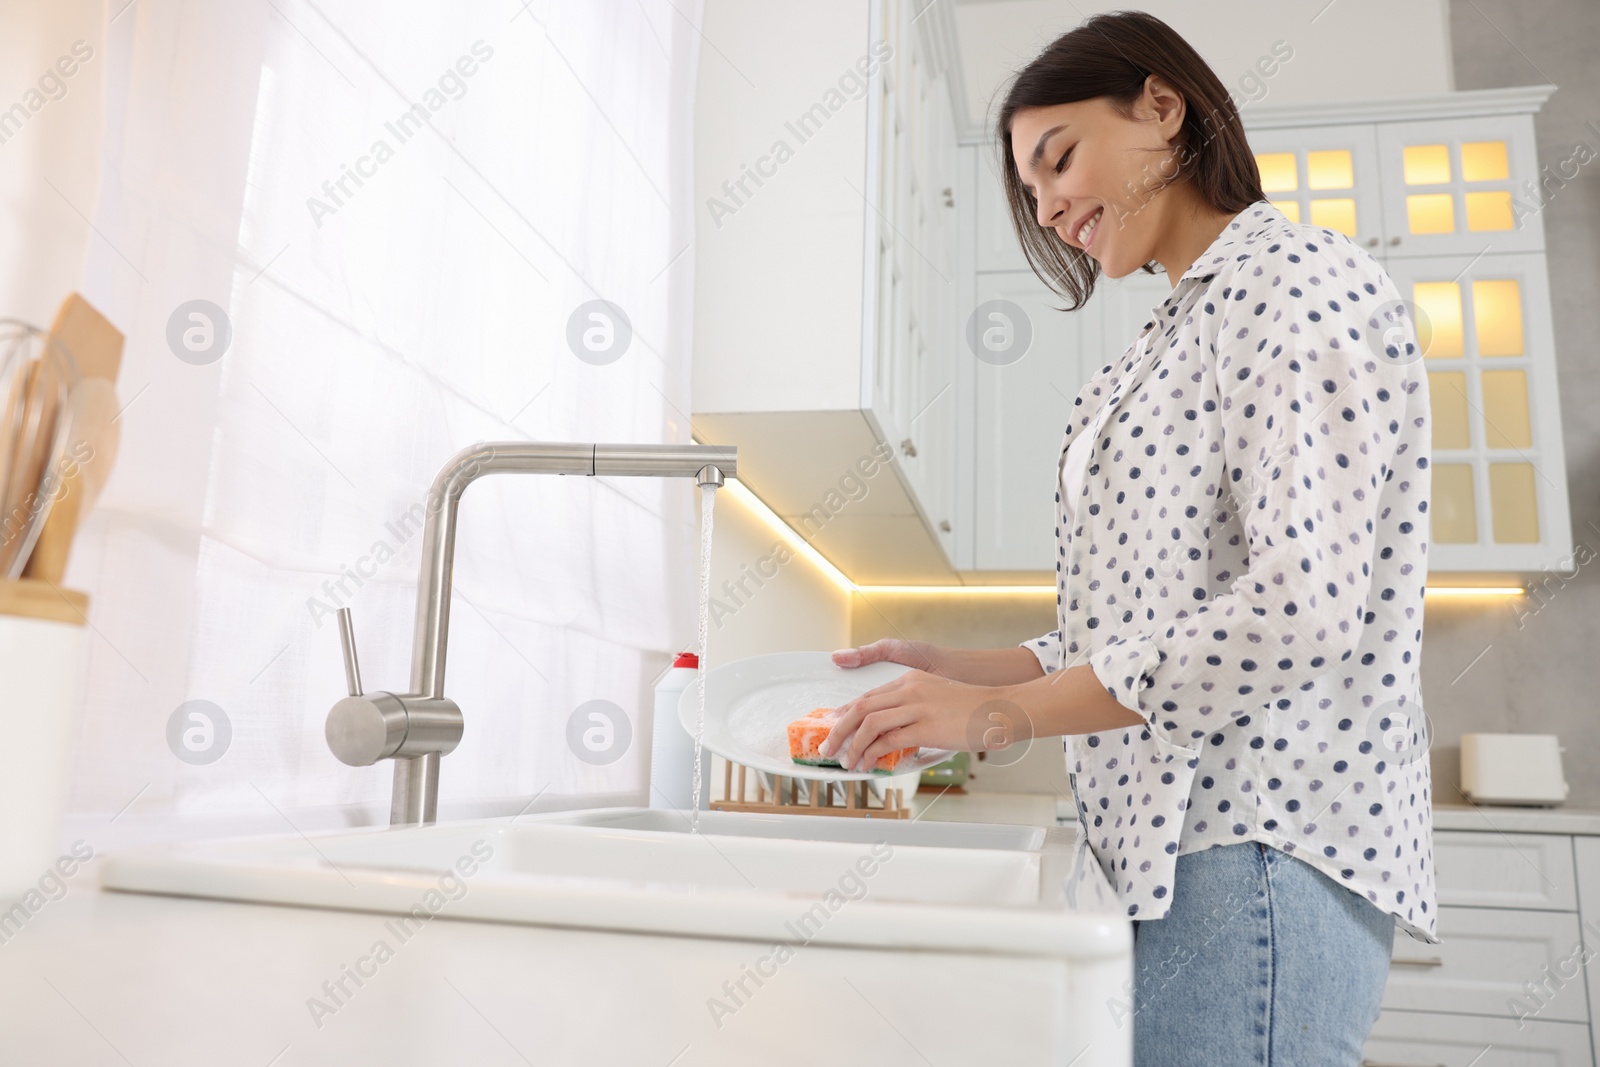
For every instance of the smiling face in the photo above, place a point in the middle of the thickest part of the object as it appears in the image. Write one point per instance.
(1084, 159)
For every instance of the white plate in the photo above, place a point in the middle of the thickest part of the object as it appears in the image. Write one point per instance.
(751, 702)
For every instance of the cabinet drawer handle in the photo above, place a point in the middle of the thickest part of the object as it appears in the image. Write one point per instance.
(1428, 961)
(1372, 242)
(944, 525)
(908, 447)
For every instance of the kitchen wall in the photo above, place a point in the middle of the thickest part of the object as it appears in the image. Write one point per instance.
(974, 620)
(798, 608)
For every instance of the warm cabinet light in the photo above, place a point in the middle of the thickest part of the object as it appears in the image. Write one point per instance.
(740, 492)
(1440, 323)
(758, 507)
(1432, 590)
(1431, 213)
(1427, 164)
(1324, 169)
(1335, 214)
(1279, 172)
(945, 590)
(1484, 161)
(1497, 315)
(1476, 590)
(1331, 169)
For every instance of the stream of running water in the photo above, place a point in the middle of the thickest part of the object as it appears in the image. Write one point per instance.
(708, 497)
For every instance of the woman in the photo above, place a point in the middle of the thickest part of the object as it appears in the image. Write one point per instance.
(1241, 532)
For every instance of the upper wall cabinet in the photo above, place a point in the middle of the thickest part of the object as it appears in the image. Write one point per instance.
(911, 237)
(1324, 175)
(1423, 187)
(1458, 186)
(825, 326)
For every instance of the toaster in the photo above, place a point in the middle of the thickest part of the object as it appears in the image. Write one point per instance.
(1512, 769)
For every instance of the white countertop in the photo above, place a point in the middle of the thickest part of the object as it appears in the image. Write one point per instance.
(111, 978)
(98, 977)
(1027, 809)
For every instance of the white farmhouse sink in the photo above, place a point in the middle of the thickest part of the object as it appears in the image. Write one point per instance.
(975, 887)
(886, 897)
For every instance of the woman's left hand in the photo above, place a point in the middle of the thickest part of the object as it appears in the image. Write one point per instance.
(922, 709)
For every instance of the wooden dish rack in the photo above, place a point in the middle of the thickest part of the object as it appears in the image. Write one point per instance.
(855, 797)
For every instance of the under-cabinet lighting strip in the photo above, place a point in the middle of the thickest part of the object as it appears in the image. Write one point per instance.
(741, 492)
(1475, 590)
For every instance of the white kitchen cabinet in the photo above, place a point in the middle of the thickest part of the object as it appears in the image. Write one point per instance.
(1586, 855)
(1514, 871)
(996, 248)
(825, 311)
(1423, 187)
(1440, 190)
(1453, 186)
(1020, 404)
(1519, 904)
(1326, 176)
(911, 234)
(1415, 1039)
(1484, 956)
(1126, 306)
(1018, 408)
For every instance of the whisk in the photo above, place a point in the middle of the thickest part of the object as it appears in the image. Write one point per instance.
(38, 383)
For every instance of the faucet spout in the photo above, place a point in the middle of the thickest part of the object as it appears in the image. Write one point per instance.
(427, 724)
(523, 457)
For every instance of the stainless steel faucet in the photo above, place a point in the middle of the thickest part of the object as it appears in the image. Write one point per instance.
(414, 729)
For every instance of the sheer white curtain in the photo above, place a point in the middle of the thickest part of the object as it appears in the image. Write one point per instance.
(399, 206)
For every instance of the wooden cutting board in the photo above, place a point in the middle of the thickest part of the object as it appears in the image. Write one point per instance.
(96, 345)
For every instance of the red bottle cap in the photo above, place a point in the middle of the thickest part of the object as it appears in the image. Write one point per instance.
(687, 659)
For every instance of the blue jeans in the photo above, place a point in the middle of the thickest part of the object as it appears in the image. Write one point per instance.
(1263, 960)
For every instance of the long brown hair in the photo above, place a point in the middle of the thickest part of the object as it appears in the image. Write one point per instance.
(1111, 55)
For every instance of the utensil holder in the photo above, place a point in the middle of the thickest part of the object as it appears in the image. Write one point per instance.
(43, 651)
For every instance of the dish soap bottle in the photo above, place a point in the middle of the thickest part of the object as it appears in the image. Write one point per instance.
(671, 746)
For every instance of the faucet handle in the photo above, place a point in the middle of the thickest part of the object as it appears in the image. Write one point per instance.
(364, 728)
(347, 639)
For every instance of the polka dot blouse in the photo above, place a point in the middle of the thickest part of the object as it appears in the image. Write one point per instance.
(1241, 555)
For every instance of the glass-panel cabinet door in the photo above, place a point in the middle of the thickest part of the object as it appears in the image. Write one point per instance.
(1458, 186)
(1498, 499)
(1326, 176)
